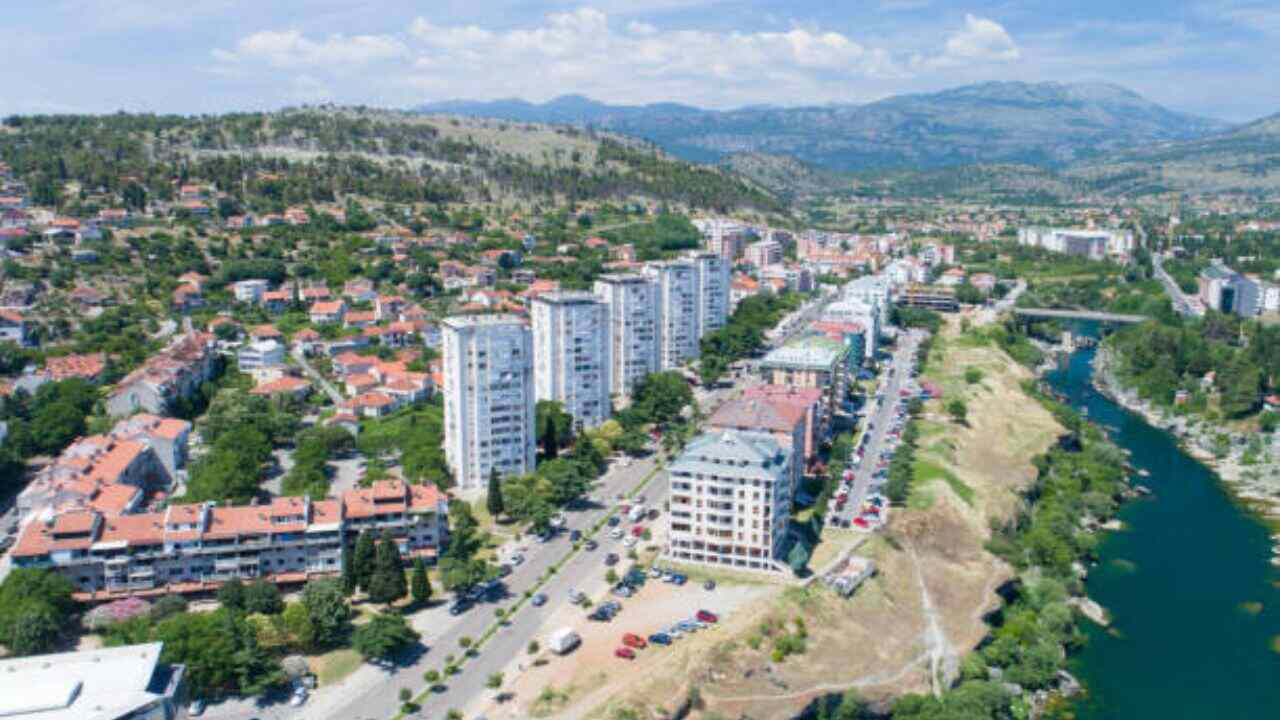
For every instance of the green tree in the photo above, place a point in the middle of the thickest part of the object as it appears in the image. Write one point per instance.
(383, 637)
(297, 622)
(263, 597)
(387, 584)
(232, 595)
(958, 410)
(328, 611)
(366, 555)
(420, 584)
(221, 653)
(554, 427)
(493, 501)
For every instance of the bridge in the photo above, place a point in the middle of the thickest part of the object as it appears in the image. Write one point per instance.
(1079, 315)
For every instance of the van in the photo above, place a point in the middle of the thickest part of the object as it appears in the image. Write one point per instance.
(563, 641)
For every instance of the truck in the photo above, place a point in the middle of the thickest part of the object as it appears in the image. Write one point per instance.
(563, 641)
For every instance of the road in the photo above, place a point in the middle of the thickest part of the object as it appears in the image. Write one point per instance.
(876, 443)
(1183, 304)
(316, 377)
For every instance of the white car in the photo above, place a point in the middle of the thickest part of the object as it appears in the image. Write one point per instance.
(299, 697)
(616, 533)
(630, 541)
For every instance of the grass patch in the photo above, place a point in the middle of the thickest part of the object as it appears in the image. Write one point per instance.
(925, 472)
(335, 665)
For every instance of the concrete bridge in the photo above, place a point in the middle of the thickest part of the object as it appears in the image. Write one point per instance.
(1047, 313)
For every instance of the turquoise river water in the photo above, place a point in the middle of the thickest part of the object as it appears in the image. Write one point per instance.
(1194, 600)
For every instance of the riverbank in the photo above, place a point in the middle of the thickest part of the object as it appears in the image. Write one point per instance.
(1255, 484)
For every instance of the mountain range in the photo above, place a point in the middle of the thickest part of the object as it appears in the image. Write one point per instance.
(1043, 124)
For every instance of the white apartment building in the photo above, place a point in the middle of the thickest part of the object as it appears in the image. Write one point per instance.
(1093, 244)
(488, 397)
(633, 328)
(249, 291)
(571, 354)
(260, 354)
(713, 291)
(730, 500)
(763, 254)
(678, 304)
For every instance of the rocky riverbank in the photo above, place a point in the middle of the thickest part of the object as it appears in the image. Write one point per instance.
(1255, 481)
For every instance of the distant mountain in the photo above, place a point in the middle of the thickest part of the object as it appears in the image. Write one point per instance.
(1043, 124)
(1244, 159)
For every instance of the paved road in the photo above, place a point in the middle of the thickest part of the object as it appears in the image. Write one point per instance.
(316, 377)
(1183, 304)
(876, 442)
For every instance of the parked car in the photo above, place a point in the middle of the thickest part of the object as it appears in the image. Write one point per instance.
(637, 531)
(299, 697)
(538, 600)
(616, 533)
(709, 585)
(614, 520)
(459, 606)
(635, 641)
(630, 542)
(706, 616)
(625, 653)
(196, 708)
(590, 544)
(622, 590)
(577, 596)
(575, 535)
(659, 638)
(611, 559)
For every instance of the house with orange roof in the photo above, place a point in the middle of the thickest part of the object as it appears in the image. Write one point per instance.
(350, 363)
(285, 385)
(358, 383)
(306, 340)
(277, 301)
(315, 294)
(187, 298)
(327, 311)
(359, 318)
(371, 404)
(91, 367)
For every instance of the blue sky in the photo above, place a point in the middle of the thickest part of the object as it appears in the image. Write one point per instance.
(1214, 57)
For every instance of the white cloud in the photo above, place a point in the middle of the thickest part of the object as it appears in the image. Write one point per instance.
(980, 41)
(291, 50)
(583, 51)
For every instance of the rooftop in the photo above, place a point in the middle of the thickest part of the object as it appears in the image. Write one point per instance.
(102, 684)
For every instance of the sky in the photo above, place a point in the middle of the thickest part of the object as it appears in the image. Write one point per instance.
(1213, 58)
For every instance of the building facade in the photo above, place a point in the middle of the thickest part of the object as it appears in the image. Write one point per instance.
(633, 328)
(678, 300)
(713, 291)
(571, 354)
(730, 496)
(763, 254)
(488, 397)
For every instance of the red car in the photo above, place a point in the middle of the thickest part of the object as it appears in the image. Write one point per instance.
(638, 530)
(631, 640)
(625, 653)
(861, 523)
(706, 616)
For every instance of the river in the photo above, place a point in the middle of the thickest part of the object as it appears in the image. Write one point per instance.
(1195, 603)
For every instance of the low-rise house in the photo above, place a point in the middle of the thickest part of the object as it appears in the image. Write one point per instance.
(14, 328)
(359, 291)
(187, 298)
(306, 341)
(115, 217)
(315, 294)
(358, 383)
(286, 385)
(266, 332)
(173, 374)
(359, 318)
(349, 363)
(328, 311)
(986, 282)
(250, 291)
(91, 367)
(88, 297)
(371, 404)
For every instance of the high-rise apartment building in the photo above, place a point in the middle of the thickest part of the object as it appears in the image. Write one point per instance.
(713, 291)
(488, 397)
(730, 495)
(678, 306)
(571, 354)
(633, 328)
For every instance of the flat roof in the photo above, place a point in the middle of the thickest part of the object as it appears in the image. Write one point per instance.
(102, 684)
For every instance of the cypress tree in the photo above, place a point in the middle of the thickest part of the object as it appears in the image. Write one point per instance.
(363, 562)
(387, 583)
(419, 584)
(494, 501)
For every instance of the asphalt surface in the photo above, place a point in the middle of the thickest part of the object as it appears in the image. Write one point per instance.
(877, 443)
(1183, 304)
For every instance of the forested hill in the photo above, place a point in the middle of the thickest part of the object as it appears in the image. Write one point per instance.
(316, 155)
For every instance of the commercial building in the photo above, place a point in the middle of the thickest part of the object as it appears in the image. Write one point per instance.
(571, 354)
(118, 683)
(1093, 244)
(633, 328)
(194, 548)
(678, 304)
(1227, 291)
(730, 499)
(488, 397)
